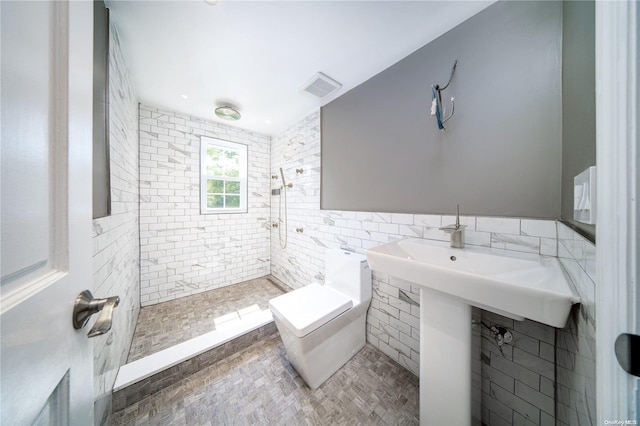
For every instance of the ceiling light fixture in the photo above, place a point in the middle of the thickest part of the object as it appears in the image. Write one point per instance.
(184, 96)
(227, 113)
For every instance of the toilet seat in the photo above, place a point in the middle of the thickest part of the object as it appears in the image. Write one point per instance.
(307, 308)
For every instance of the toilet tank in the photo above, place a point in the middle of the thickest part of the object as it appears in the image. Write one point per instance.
(348, 273)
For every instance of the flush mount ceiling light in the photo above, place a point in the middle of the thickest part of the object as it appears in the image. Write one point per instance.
(227, 113)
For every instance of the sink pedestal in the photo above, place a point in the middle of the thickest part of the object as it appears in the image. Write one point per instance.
(445, 359)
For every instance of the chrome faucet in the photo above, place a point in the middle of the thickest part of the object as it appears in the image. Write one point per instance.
(456, 231)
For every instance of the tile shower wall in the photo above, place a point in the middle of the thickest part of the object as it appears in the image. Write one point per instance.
(115, 237)
(183, 252)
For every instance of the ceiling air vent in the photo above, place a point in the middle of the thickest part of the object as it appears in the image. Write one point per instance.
(321, 85)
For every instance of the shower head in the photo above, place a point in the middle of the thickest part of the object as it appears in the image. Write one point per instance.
(284, 183)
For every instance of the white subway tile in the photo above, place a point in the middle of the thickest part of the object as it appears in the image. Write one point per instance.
(498, 225)
(538, 228)
(549, 247)
(431, 221)
(402, 218)
(515, 243)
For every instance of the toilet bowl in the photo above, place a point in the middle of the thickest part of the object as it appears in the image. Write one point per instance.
(323, 326)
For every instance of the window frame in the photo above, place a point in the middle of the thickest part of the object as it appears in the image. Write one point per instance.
(206, 142)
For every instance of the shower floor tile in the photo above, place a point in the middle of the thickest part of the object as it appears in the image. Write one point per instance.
(169, 323)
(258, 386)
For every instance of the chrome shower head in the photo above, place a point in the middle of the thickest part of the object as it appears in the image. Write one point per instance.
(284, 183)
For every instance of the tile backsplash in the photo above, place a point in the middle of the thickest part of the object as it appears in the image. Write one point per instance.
(183, 252)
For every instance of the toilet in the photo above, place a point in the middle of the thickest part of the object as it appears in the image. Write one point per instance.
(323, 326)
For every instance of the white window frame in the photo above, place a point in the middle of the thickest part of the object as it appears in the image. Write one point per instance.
(205, 143)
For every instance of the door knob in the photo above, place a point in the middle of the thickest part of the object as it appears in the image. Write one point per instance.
(85, 306)
(627, 349)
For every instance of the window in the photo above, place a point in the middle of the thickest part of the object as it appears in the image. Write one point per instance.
(223, 176)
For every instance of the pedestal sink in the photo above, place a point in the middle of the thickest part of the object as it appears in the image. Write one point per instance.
(517, 285)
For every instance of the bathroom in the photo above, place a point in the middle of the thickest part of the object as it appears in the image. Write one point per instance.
(366, 166)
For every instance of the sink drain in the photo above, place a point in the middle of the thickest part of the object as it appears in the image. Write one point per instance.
(453, 258)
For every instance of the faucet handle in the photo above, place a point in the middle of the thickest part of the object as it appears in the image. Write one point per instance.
(452, 228)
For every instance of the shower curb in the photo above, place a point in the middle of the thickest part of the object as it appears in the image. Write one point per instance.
(135, 392)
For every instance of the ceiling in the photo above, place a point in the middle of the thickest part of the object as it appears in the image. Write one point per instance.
(257, 55)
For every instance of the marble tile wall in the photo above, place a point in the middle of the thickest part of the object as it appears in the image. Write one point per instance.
(575, 348)
(546, 376)
(518, 379)
(183, 252)
(115, 238)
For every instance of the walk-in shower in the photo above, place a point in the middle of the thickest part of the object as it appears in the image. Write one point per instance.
(175, 337)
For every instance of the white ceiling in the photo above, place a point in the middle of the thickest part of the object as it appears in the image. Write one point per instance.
(257, 55)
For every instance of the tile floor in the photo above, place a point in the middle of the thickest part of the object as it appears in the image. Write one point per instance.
(258, 386)
(166, 324)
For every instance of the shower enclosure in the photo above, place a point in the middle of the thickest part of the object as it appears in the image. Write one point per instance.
(173, 336)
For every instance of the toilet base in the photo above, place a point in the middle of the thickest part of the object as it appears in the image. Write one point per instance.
(319, 354)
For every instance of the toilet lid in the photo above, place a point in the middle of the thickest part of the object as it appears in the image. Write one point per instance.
(309, 307)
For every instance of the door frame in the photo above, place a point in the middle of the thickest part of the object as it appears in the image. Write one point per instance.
(617, 291)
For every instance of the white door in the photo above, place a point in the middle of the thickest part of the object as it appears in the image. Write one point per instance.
(618, 228)
(46, 92)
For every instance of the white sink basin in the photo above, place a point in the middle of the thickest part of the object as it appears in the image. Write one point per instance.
(519, 285)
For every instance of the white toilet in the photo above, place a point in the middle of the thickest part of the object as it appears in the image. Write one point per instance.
(323, 326)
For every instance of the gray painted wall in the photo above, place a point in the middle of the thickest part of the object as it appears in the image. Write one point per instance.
(501, 153)
(578, 101)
